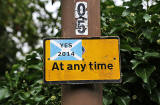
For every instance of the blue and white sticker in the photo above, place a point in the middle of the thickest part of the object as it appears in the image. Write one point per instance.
(66, 49)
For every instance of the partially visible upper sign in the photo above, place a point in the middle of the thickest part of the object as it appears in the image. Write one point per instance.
(82, 60)
(81, 16)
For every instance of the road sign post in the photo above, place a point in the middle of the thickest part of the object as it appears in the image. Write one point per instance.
(81, 58)
(84, 94)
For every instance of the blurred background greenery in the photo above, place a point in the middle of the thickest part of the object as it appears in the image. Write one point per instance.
(24, 23)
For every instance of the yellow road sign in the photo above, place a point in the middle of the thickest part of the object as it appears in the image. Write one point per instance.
(81, 60)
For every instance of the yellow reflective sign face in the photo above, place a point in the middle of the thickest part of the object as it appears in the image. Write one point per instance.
(85, 60)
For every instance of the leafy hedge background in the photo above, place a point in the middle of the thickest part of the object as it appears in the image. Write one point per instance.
(137, 25)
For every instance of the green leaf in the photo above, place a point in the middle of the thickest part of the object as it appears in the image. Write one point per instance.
(136, 3)
(15, 67)
(24, 95)
(151, 54)
(136, 49)
(147, 18)
(148, 34)
(125, 13)
(151, 85)
(36, 90)
(145, 73)
(135, 63)
(36, 67)
(125, 47)
(129, 78)
(4, 93)
(122, 100)
(107, 100)
(155, 96)
(113, 30)
(39, 98)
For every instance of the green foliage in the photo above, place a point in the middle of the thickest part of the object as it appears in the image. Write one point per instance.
(24, 84)
(122, 100)
(21, 81)
(19, 28)
(139, 32)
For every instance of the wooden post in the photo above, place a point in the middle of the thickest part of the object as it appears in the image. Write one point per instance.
(69, 22)
(81, 94)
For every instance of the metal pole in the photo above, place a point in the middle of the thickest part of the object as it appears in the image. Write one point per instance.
(81, 94)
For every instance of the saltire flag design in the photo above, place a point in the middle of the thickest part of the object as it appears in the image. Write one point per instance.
(56, 47)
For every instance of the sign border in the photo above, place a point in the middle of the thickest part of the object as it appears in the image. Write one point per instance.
(82, 81)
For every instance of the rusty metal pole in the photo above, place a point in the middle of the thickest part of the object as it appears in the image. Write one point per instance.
(81, 94)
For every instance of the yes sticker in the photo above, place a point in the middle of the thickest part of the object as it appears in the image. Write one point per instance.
(65, 50)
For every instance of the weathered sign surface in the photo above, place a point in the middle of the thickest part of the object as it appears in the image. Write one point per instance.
(81, 60)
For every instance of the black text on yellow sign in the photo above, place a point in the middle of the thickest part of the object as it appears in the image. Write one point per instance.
(84, 60)
(81, 67)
